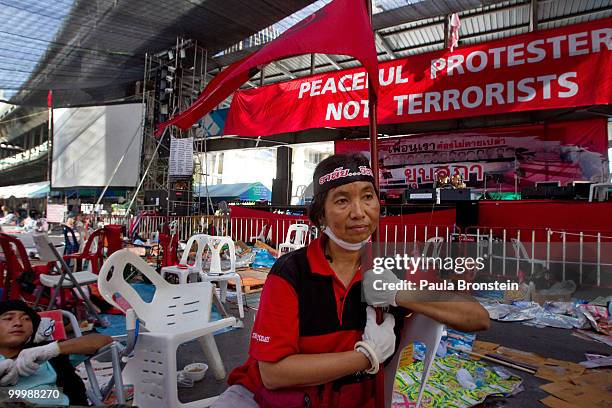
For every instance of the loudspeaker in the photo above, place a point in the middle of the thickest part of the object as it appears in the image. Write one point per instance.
(281, 191)
(451, 194)
(157, 198)
(419, 194)
(548, 192)
(467, 213)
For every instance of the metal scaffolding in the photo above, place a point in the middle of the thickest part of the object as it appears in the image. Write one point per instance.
(173, 79)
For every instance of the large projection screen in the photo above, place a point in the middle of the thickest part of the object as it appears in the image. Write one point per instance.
(89, 142)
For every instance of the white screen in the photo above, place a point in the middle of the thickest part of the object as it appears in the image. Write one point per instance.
(88, 143)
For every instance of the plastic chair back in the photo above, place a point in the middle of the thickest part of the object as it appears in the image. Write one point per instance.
(216, 245)
(113, 238)
(296, 234)
(95, 243)
(174, 308)
(59, 329)
(16, 262)
(70, 241)
(201, 241)
(169, 246)
(436, 242)
(416, 328)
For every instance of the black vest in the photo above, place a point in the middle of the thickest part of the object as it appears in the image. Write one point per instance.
(316, 300)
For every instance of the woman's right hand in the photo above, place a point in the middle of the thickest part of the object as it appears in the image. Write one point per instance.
(380, 337)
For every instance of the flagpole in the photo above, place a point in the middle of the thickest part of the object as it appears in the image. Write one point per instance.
(373, 131)
(49, 147)
(373, 128)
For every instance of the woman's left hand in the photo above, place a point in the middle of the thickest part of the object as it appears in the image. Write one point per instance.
(376, 288)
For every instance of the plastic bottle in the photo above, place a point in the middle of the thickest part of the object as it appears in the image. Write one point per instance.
(465, 379)
(480, 376)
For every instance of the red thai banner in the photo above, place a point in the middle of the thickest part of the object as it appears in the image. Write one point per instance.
(498, 159)
(557, 68)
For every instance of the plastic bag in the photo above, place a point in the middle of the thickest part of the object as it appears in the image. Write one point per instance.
(263, 259)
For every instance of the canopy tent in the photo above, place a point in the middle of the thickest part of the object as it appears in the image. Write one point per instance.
(234, 192)
(29, 190)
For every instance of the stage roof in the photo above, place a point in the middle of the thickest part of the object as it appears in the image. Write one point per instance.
(92, 52)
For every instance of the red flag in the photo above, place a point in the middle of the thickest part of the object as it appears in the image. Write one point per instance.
(50, 99)
(342, 27)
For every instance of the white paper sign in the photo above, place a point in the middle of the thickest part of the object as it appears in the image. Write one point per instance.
(55, 212)
(181, 157)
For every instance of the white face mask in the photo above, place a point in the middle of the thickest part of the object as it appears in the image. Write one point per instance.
(343, 244)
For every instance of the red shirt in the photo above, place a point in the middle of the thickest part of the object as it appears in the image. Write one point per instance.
(277, 332)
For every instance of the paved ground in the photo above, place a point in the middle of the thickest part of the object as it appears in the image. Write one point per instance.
(548, 342)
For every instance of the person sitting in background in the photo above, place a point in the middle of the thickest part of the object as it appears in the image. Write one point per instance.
(9, 216)
(29, 223)
(25, 365)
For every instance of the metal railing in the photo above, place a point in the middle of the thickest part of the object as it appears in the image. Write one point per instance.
(583, 256)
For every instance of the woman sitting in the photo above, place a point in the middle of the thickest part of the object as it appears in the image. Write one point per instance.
(315, 341)
(28, 366)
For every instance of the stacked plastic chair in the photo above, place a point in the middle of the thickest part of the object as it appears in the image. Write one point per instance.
(216, 273)
(183, 270)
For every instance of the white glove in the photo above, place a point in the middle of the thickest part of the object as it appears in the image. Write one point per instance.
(373, 291)
(29, 360)
(378, 341)
(8, 373)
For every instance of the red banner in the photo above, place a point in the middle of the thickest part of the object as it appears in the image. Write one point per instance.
(496, 159)
(562, 67)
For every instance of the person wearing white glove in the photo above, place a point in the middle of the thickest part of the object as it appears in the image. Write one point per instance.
(25, 366)
(29, 360)
(378, 341)
(373, 291)
(310, 341)
(459, 311)
(8, 373)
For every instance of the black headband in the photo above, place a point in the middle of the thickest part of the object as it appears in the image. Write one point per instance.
(328, 178)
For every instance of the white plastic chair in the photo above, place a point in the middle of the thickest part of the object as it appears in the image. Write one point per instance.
(436, 243)
(177, 314)
(295, 239)
(217, 274)
(201, 240)
(520, 253)
(416, 328)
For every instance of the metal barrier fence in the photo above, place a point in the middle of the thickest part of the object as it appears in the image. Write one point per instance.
(583, 256)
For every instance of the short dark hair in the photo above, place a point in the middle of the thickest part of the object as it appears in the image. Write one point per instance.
(316, 209)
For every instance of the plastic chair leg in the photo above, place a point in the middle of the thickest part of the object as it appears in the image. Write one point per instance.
(211, 352)
(239, 295)
(223, 286)
(182, 278)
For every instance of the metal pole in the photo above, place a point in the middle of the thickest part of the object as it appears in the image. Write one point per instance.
(50, 145)
(161, 139)
(373, 130)
(312, 64)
